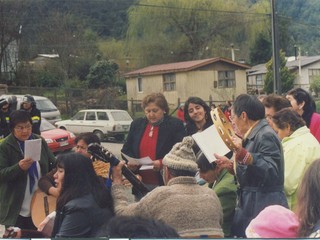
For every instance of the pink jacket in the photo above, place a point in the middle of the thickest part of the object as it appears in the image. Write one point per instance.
(315, 126)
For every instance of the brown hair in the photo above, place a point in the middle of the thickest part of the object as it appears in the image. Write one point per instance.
(288, 117)
(158, 99)
(308, 208)
(276, 102)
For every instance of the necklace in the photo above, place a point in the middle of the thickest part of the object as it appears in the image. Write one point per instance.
(151, 132)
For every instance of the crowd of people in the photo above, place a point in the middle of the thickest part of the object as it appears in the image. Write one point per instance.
(266, 187)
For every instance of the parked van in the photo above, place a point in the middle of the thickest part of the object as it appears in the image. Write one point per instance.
(48, 110)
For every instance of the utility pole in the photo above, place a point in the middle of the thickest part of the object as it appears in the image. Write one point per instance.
(275, 49)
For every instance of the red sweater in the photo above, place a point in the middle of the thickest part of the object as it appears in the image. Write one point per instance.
(147, 148)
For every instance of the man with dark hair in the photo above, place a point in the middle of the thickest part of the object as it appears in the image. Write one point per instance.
(138, 227)
(29, 104)
(259, 164)
(4, 118)
(224, 184)
(272, 104)
(191, 209)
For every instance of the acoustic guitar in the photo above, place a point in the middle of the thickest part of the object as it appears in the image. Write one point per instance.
(41, 206)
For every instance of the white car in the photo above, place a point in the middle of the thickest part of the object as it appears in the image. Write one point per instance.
(48, 110)
(104, 123)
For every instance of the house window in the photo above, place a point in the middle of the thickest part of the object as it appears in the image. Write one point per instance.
(259, 80)
(226, 79)
(313, 73)
(139, 84)
(169, 82)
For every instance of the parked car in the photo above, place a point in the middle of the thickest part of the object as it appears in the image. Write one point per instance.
(58, 140)
(104, 123)
(48, 110)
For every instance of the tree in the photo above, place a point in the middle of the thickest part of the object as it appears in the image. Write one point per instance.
(315, 85)
(102, 74)
(286, 76)
(168, 31)
(261, 51)
(11, 20)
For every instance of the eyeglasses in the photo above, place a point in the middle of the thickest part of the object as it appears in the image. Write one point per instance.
(21, 128)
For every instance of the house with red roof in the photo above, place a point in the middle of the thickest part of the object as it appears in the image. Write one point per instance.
(219, 79)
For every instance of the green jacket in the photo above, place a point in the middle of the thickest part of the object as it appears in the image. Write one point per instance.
(13, 179)
(226, 191)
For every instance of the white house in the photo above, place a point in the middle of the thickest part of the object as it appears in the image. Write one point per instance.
(305, 67)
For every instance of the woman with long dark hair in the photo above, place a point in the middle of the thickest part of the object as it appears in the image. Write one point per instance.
(84, 204)
(196, 115)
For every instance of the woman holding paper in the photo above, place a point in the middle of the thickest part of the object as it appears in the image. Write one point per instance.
(153, 136)
(197, 117)
(19, 174)
(259, 164)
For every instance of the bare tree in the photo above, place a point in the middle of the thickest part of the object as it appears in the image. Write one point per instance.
(11, 21)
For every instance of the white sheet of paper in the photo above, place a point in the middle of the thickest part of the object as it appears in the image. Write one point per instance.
(210, 142)
(145, 162)
(32, 149)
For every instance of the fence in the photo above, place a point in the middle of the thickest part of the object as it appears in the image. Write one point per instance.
(70, 100)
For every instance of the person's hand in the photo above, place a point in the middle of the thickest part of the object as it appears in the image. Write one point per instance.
(53, 191)
(238, 144)
(12, 232)
(224, 162)
(25, 163)
(133, 167)
(117, 172)
(157, 165)
(126, 182)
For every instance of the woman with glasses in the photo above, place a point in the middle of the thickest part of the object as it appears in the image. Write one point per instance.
(19, 174)
(153, 136)
(300, 148)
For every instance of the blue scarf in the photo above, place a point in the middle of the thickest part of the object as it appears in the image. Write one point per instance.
(32, 171)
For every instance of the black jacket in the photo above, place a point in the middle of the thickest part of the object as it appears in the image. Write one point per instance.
(171, 131)
(81, 218)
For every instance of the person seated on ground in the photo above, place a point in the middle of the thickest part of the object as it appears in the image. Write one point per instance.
(223, 183)
(189, 208)
(308, 207)
(138, 227)
(47, 184)
(300, 148)
(84, 204)
(272, 104)
(274, 221)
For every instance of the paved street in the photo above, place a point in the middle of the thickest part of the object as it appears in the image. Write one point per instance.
(114, 148)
